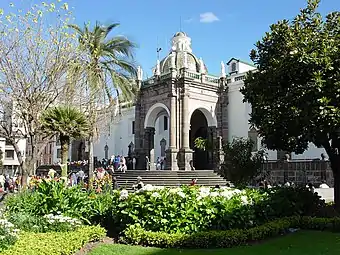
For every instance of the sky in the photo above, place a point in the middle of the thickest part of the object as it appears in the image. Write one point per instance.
(219, 29)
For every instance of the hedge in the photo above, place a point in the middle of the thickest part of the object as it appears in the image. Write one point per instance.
(136, 235)
(54, 243)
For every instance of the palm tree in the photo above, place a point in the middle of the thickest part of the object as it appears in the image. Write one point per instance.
(67, 122)
(107, 65)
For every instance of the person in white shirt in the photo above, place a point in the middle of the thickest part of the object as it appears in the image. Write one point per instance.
(2, 180)
(134, 163)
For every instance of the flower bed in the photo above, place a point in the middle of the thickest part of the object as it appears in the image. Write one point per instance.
(8, 234)
(55, 243)
(179, 210)
(136, 235)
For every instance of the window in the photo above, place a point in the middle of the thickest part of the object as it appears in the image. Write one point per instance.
(233, 67)
(165, 123)
(9, 154)
(7, 142)
(50, 148)
(252, 134)
(106, 152)
(133, 127)
(58, 153)
(163, 145)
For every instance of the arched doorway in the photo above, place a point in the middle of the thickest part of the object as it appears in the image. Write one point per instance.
(199, 128)
(156, 128)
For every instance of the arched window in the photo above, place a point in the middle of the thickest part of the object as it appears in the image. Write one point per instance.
(106, 152)
(233, 67)
(252, 135)
(163, 144)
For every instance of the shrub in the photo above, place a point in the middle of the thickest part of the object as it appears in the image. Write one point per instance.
(8, 234)
(42, 224)
(136, 235)
(190, 210)
(179, 210)
(51, 197)
(54, 243)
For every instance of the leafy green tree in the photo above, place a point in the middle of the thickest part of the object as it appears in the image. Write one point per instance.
(67, 122)
(241, 165)
(107, 66)
(295, 94)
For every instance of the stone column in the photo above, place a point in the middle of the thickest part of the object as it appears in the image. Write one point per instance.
(149, 146)
(185, 122)
(186, 152)
(172, 152)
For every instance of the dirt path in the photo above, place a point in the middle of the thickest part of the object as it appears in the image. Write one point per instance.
(90, 246)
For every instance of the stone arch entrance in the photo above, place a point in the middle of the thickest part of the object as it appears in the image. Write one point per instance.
(199, 128)
(156, 126)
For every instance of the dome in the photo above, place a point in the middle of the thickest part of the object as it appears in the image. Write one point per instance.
(180, 34)
(181, 46)
(193, 62)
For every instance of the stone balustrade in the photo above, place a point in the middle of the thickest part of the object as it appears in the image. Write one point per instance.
(298, 171)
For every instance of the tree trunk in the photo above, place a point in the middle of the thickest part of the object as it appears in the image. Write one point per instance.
(336, 175)
(23, 171)
(91, 163)
(334, 158)
(65, 143)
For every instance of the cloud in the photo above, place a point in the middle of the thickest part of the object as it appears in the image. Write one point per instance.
(208, 17)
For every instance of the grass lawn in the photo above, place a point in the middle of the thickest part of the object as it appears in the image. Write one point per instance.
(300, 243)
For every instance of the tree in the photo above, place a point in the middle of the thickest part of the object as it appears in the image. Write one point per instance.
(67, 122)
(36, 54)
(107, 67)
(241, 165)
(295, 92)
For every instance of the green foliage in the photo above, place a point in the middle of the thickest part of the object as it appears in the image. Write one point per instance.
(179, 210)
(41, 224)
(65, 121)
(135, 234)
(295, 92)
(52, 197)
(106, 62)
(241, 165)
(8, 234)
(202, 144)
(54, 243)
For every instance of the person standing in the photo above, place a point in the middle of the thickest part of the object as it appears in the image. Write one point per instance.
(134, 161)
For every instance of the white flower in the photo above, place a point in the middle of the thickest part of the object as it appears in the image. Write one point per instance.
(204, 192)
(155, 194)
(175, 190)
(124, 194)
(244, 200)
(148, 187)
(181, 194)
(214, 194)
(227, 194)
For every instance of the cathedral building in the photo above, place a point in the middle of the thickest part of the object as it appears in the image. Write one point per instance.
(179, 103)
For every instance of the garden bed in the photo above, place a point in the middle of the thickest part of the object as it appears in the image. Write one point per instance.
(298, 243)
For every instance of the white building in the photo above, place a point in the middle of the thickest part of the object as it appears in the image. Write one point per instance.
(9, 157)
(116, 139)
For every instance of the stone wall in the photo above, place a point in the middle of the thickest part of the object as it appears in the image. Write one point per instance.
(298, 171)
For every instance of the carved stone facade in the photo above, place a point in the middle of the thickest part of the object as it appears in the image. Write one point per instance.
(195, 104)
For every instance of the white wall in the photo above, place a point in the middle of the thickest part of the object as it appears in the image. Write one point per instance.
(117, 137)
(238, 121)
(243, 68)
(160, 133)
(237, 112)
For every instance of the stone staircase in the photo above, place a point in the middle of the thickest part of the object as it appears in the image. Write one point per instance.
(169, 178)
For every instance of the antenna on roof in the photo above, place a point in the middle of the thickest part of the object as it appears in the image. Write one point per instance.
(158, 49)
(180, 24)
